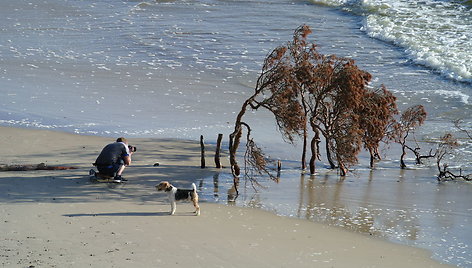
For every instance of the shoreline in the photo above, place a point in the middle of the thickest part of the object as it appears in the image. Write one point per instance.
(60, 219)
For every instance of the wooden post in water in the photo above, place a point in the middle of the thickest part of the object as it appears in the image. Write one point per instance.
(218, 149)
(279, 167)
(202, 148)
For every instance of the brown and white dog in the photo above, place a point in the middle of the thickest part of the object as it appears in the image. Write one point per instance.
(175, 194)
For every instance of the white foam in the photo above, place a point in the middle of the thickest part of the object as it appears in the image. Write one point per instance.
(434, 34)
(457, 94)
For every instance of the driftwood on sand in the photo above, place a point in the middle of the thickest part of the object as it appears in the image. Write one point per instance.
(40, 166)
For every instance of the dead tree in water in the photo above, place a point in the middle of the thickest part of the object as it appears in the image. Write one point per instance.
(335, 101)
(446, 145)
(344, 110)
(377, 117)
(410, 119)
(303, 88)
(458, 124)
(276, 91)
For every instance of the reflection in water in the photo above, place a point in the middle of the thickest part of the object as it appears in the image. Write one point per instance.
(215, 184)
(231, 193)
(330, 203)
(324, 203)
(406, 206)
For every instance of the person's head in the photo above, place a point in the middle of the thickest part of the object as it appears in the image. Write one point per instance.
(123, 140)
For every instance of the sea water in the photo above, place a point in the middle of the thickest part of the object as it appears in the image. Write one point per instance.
(182, 69)
(404, 206)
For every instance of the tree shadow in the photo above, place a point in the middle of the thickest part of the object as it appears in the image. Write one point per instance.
(119, 214)
(70, 186)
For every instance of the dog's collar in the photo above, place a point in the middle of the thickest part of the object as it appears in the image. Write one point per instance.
(168, 189)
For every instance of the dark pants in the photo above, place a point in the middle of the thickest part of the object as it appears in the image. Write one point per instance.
(109, 170)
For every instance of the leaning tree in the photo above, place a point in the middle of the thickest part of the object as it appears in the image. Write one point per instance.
(277, 91)
(305, 89)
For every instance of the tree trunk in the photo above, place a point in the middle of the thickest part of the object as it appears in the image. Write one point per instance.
(402, 162)
(328, 156)
(218, 149)
(313, 156)
(372, 158)
(342, 169)
(377, 154)
(305, 143)
(234, 141)
(314, 150)
(235, 138)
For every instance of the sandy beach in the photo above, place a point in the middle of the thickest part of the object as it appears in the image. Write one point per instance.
(61, 219)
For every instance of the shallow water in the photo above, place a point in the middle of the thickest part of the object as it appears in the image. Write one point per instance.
(404, 206)
(181, 68)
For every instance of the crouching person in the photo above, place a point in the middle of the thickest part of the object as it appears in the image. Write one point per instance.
(113, 160)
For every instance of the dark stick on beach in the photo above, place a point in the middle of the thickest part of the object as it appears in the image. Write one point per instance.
(218, 149)
(202, 147)
(40, 166)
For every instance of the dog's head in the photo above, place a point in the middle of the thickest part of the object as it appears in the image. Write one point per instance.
(164, 186)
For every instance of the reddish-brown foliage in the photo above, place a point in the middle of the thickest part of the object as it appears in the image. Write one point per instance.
(377, 116)
(302, 88)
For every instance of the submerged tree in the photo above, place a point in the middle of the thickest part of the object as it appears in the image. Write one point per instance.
(458, 123)
(303, 88)
(410, 119)
(344, 110)
(333, 101)
(276, 90)
(447, 143)
(377, 118)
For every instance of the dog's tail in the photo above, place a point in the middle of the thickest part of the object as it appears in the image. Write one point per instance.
(194, 187)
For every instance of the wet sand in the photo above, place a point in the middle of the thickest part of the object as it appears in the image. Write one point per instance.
(61, 219)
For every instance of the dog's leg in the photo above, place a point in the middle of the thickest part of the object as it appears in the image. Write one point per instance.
(195, 199)
(197, 207)
(172, 207)
(172, 203)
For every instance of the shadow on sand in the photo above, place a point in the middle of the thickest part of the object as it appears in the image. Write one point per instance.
(121, 214)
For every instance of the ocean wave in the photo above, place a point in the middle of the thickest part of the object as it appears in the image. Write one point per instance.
(465, 2)
(436, 34)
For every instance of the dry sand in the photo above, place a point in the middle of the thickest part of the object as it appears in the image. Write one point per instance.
(61, 219)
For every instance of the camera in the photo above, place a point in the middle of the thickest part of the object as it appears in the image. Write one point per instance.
(132, 148)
